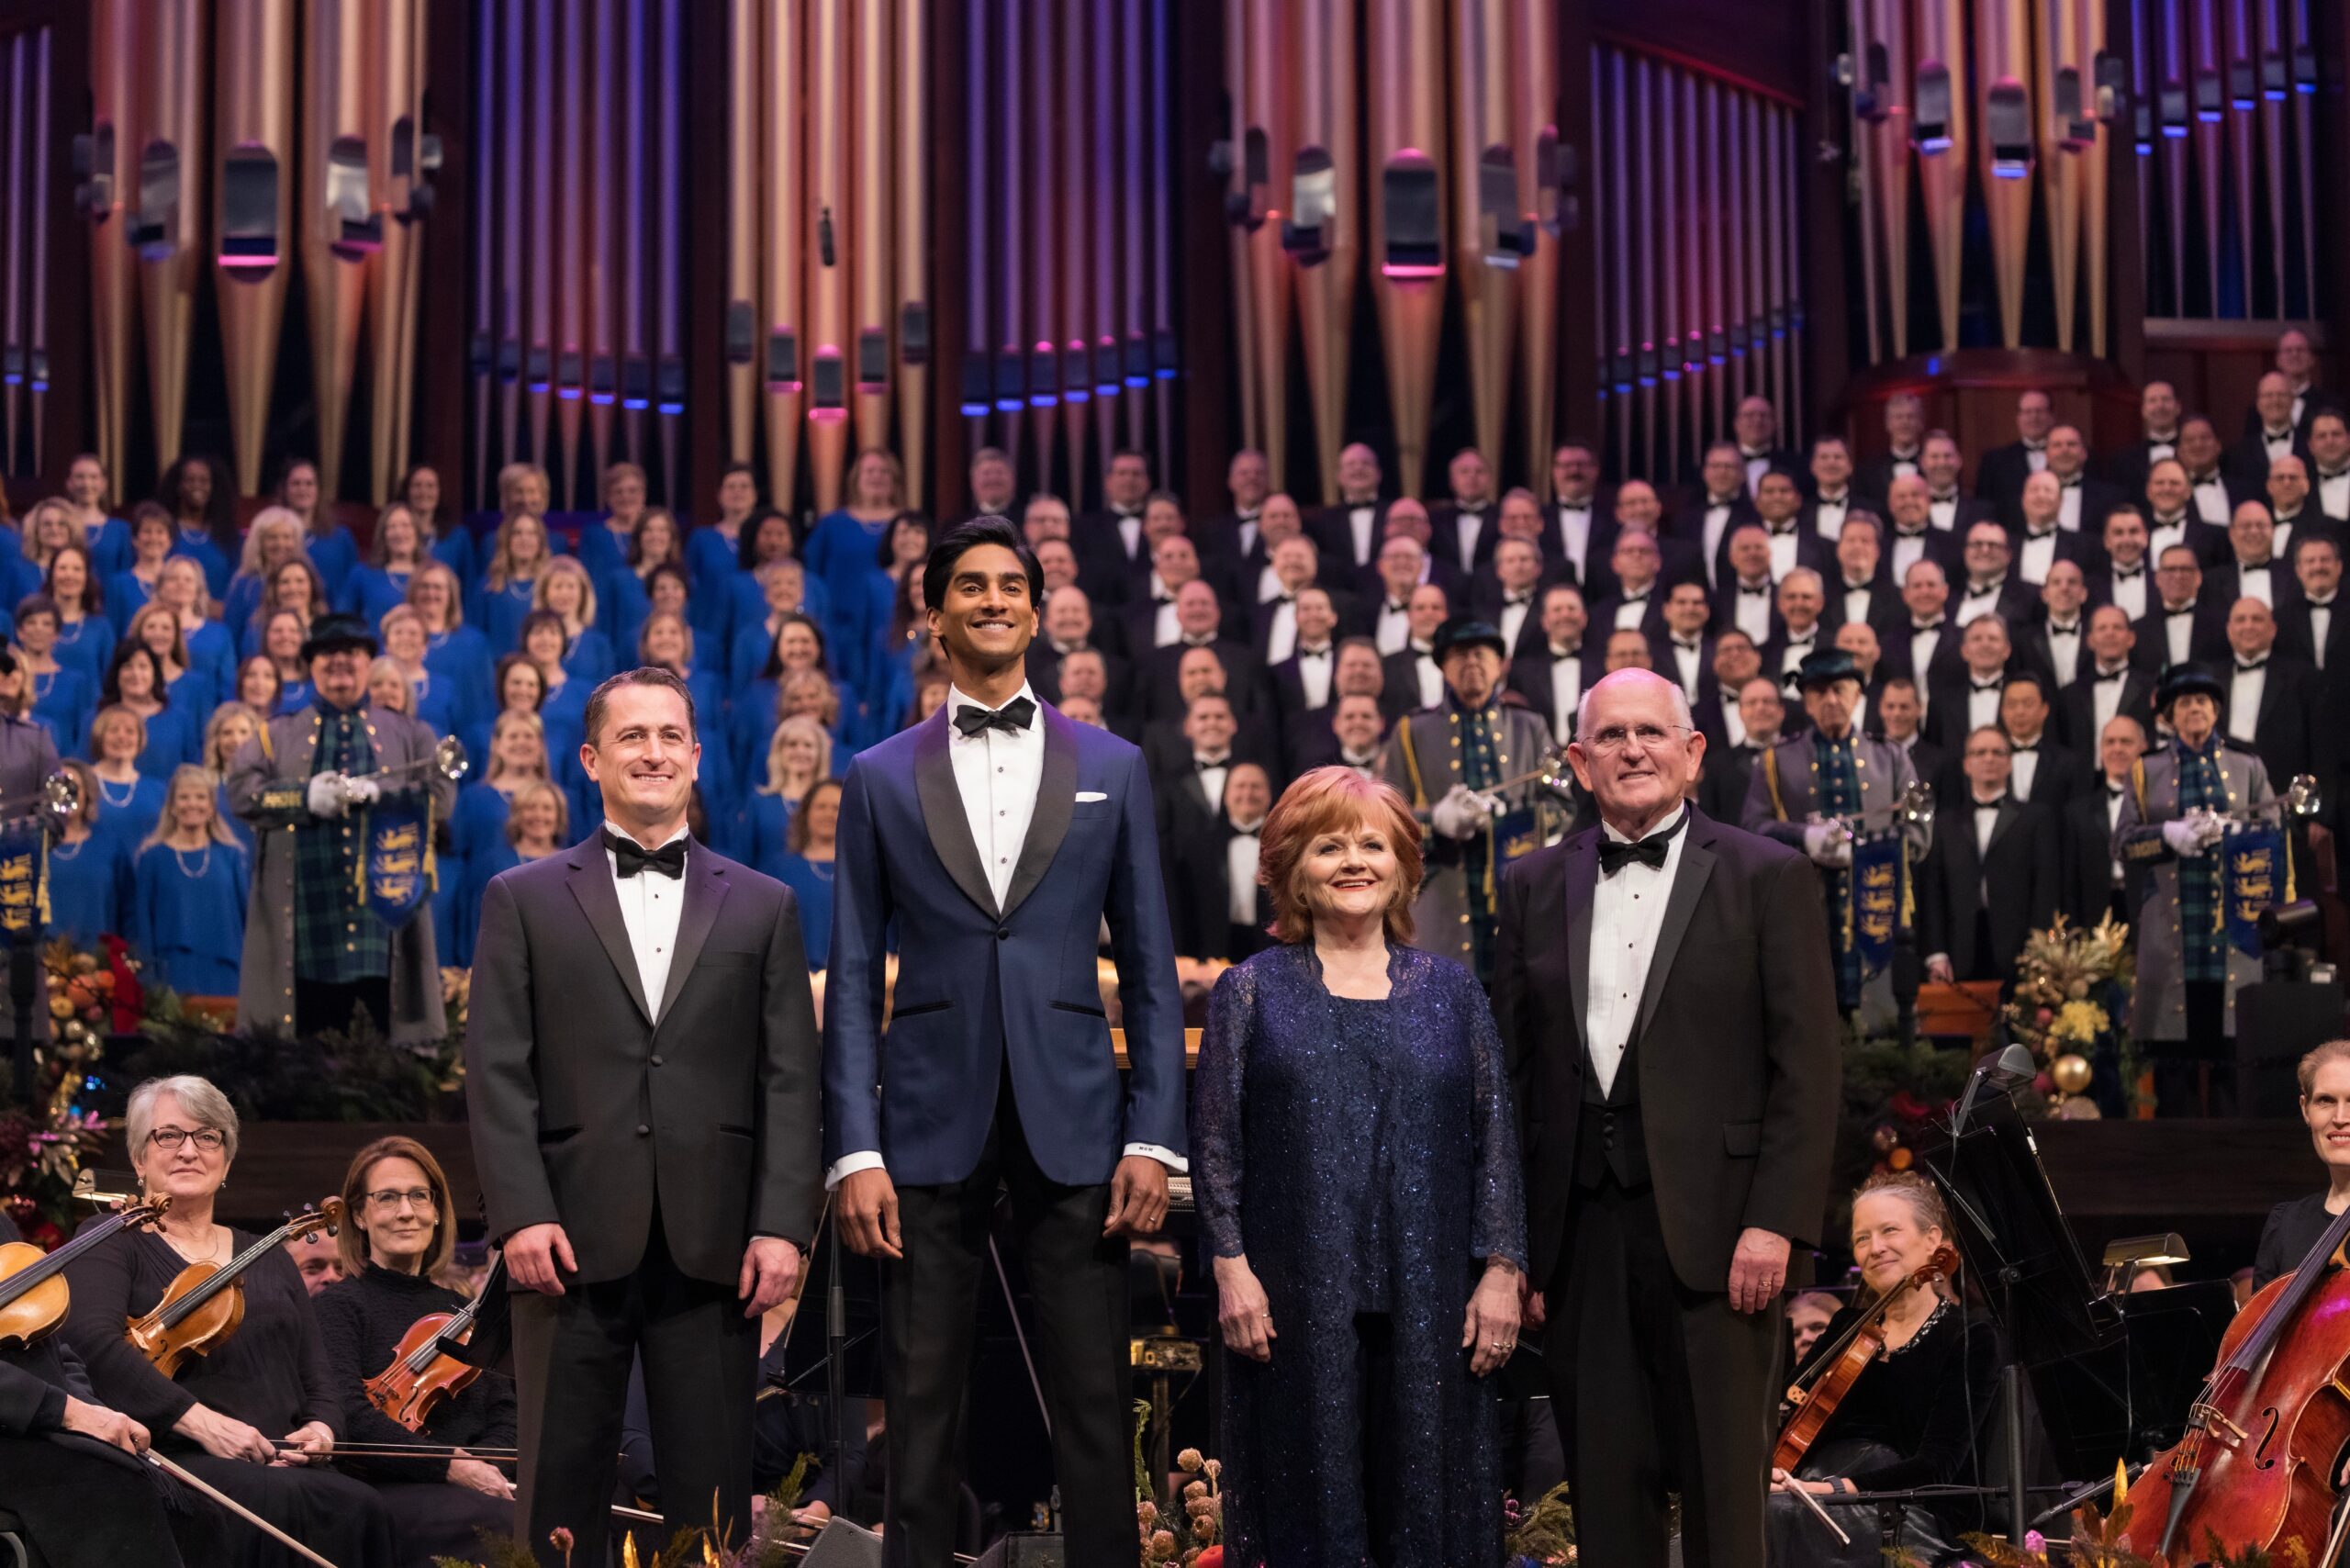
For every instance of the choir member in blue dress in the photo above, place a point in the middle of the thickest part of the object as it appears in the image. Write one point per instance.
(85, 638)
(518, 755)
(769, 536)
(397, 550)
(63, 698)
(843, 551)
(502, 601)
(230, 726)
(524, 488)
(453, 651)
(274, 538)
(157, 629)
(294, 585)
(807, 870)
(451, 542)
(1354, 1156)
(714, 552)
(191, 880)
(606, 544)
(331, 548)
(568, 592)
(783, 591)
(133, 584)
(563, 709)
(628, 590)
(906, 656)
(797, 759)
(433, 700)
(799, 649)
(281, 635)
(210, 648)
(260, 686)
(667, 643)
(89, 875)
(897, 562)
(538, 826)
(129, 802)
(174, 736)
(47, 528)
(104, 535)
(196, 492)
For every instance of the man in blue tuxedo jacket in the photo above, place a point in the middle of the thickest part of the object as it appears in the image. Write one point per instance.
(998, 1069)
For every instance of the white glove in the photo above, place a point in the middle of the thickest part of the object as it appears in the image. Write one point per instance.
(2185, 836)
(328, 795)
(1828, 843)
(362, 791)
(1458, 815)
(2215, 827)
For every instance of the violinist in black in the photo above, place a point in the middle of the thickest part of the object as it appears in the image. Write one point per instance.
(2293, 1228)
(1910, 1419)
(401, 1232)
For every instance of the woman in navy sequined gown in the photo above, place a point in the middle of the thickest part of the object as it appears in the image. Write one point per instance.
(1355, 1163)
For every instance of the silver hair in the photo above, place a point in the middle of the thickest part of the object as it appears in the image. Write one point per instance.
(1817, 581)
(1680, 698)
(197, 1097)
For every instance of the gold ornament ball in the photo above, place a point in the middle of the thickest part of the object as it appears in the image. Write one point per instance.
(2071, 1072)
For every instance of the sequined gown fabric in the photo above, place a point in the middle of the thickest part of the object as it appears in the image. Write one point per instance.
(1363, 1155)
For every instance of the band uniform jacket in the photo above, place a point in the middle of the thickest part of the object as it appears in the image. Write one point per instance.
(1421, 761)
(1782, 796)
(2159, 1004)
(284, 754)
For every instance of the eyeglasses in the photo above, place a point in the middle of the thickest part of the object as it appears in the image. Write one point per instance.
(209, 1140)
(1648, 737)
(417, 1198)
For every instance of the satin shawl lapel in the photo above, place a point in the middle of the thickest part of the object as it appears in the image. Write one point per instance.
(1055, 804)
(2008, 812)
(1689, 881)
(706, 889)
(1581, 881)
(591, 884)
(942, 813)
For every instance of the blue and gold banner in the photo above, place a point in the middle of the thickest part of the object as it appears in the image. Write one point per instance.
(396, 870)
(2255, 877)
(1879, 866)
(24, 882)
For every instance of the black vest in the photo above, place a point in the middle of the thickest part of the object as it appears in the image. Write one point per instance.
(1608, 1136)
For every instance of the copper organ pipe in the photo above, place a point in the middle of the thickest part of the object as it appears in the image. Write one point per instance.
(570, 260)
(670, 364)
(511, 277)
(1944, 148)
(395, 125)
(1109, 344)
(2207, 96)
(2305, 146)
(1268, 266)
(18, 180)
(252, 205)
(2241, 95)
(37, 367)
(1781, 231)
(165, 199)
(1407, 207)
(1533, 53)
(827, 244)
(339, 224)
(780, 351)
(911, 187)
(2096, 176)
(538, 364)
(1238, 42)
(605, 181)
(1012, 359)
(1077, 228)
(1646, 263)
(2273, 52)
(1484, 212)
(2003, 66)
(1669, 297)
(1156, 360)
(634, 173)
(742, 184)
(978, 343)
(869, 193)
(1325, 178)
(1049, 220)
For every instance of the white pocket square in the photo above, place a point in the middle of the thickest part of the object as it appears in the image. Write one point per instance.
(1085, 795)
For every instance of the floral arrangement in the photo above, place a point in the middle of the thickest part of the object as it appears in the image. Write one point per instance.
(1193, 1540)
(774, 1540)
(1543, 1534)
(2071, 992)
(43, 1146)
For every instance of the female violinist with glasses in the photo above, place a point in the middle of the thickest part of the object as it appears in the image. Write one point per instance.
(398, 1239)
(1910, 1419)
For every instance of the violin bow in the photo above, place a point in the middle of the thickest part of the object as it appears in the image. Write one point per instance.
(1794, 1489)
(198, 1484)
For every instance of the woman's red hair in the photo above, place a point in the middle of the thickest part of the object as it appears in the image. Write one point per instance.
(1335, 799)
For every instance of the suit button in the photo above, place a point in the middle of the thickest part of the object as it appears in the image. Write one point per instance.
(644, 1131)
(656, 1061)
(1003, 933)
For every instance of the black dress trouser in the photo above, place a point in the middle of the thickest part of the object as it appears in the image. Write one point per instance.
(83, 1510)
(572, 1355)
(1077, 1279)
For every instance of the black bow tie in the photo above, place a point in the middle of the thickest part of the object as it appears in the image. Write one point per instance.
(2113, 791)
(2325, 603)
(1691, 644)
(2048, 532)
(2056, 631)
(2247, 667)
(1909, 533)
(2324, 472)
(2035, 446)
(1828, 500)
(2116, 674)
(2073, 483)
(1649, 851)
(1987, 685)
(2128, 574)
(2019, 748)
(1922, 627)
(1321, 652)
(1943, 499)
(1247, 832)
(1757, 592)
(1639, 597)
(629, 856)
(1202, 764)
(1781, 529)
(1015, 715)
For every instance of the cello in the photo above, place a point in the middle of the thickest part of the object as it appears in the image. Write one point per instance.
(33, 1294)
(205, 1303)
(2264, 1440)
(423, 1372)
(1839, 1365)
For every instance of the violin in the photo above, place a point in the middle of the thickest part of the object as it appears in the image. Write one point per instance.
(205, 1303)
(2256, 1467)
(1834, 1370)
(33, 1294)
(422, 1373)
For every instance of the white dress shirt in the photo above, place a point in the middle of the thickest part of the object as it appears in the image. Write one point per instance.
(2105, 695)
(1977, 602)
(2035, 457)
(2039, 553)
(1566, 691)
(1515, 610)
(2064, 650)
(1633, 608)
(2113, 794)
(1431, 678)
(2211, 497)
(2178, 635)
(1165, 629)
(2130, 590)
(2244, 691)
(1269, 585)
(1757, 464)
(1361, 521)
(1281, 637)
(1395, 628)
(1240, 872)
(1828, 514)
(1942, 512)
(1574, 535)
(2068, 508)
(2279, 443)
(1248, 530)
(1717, 524)
(1688, 663)
(1129, 531)
(1798, 647)
(1783, 551)
(1752, 614)
(1857, 602)
(1987, 820)
(2254, 582)
(2334, 495)
(1470, 525)
(2281, 537)
(1627, 912)
(1923, 643)
(1908, 551)
(651, 905)
(2024, 769)
(1213, 771)
(1903, 467)
(1982, 702)
(1314, 668)
(2161, 535)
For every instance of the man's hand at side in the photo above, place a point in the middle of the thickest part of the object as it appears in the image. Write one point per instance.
(770, 1271)
(538, 1255)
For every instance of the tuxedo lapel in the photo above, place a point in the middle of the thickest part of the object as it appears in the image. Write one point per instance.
(2008, 812)
(1582, 883)
(942, 813)
(591, 884)
(706, 889)
(1697, 862)
(1055, 804)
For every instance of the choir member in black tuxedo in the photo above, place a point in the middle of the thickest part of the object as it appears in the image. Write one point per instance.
(1408, 519)
(1345, 733)
(1905, 435)
(1858, 638)
(1990, 586)
(2272, 698)
(1412, 679)
(1832, 498)
(2041, 769)
(1348, 531)
(1362, 673)
(2056, 642)
(1777, 505)
(2309, 626)
(1924, 645)
(1736, 661)
(1579, 517)
(2293, 1227)
(1636, 507)
(1991, 878)
(1276, 629)
(2294, 509)
(1505, 593)
(1761, 710)
(2180, 627)
(2094, 879)
(1911, 535)
(1148, 621)
(1304, 680)
(1662, 1224)
(1551, 679)
(1800, 601)
(1756, 426)
(1230, 538)
(2175, 516)
(2083, 499)
(1900, 716)
(1166, 745)
(1461, 526)
(1197, 616)
(1860, 589)
(1968, 697)
(1112, 552)
(2110, 682)
(2330, 464)
(2158, 411)
(1999, 477)
(2268, 435)
(2124, 574)
(2253, 569)
(2209, 479)
(1684, 655)
(1387, 594)
(1071, 628)
(995, 483)
(1253, 581)
(2044, 540)
(1949, 509)
(1717, 503)
(1083, 676)
(1212, 891)
(1748, 597)
(1638, 604)
(2297, 361)
(1626, 649)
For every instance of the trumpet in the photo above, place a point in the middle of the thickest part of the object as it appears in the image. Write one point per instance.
(1914, 807)
(2301, 798)
(54, 803)
(448, 759)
